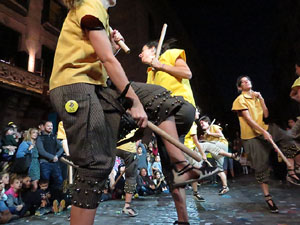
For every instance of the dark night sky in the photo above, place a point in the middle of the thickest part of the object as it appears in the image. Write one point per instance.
(233, 38)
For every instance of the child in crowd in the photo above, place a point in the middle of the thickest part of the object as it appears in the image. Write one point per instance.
(160, 183)
(44, 195)
(5, 180)
(14, 201)
(5, 215)
(156, 165)
(243, 162)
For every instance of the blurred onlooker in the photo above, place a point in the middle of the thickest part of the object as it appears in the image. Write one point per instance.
(5, 180)
(14, 201)
(142, 156)
(291, 122)
(118, 191)
(145, 185)
(29, 197)
(243, 162)
(156, 165)
(149, 165)
(9, 144)
(160, 183)
(17, 135)
(44, 198)
(50, 149)
(34, 168)
(41, 127)
(5, 215)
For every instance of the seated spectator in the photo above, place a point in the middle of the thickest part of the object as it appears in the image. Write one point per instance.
(44, 198)
(14, 201)
(160, 183)
(156, 165)
(5, 180)
(118, 191)
(145, 185)
(5, 215)
(31, 199)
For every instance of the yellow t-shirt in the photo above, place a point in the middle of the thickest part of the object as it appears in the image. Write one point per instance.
(246, 102)
(129, 146)
(296, 83)
(61, 133)
(215, 129)
(75, 59)
(188, 140)
(178, 87)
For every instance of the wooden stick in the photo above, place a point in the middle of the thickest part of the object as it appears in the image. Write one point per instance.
(122, 44)
(280, 153)
(161, 40)
(119, 177)
(174, 141)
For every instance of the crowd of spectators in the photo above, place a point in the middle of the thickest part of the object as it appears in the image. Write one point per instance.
(33, 180)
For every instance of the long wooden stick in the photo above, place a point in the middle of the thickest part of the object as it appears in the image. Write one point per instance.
(122, 44)
(280, 153)
(161, 40)
(174, 141)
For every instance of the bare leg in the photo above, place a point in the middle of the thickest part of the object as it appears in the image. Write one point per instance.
(128, 198)
(81, 216)
(175, 153)
(223, 177)
(179, 198)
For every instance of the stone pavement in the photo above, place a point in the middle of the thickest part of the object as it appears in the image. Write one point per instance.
(243, 204)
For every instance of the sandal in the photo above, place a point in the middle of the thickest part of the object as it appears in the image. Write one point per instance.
(129, 211)
(181, 223)
(290, 177)
(273, 208)
(205, 172)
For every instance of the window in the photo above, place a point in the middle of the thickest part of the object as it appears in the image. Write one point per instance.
(9, 44)
(47, 62)
(20, 6)
(53, 16)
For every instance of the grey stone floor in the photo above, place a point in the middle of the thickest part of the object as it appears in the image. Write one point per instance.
(243, 204)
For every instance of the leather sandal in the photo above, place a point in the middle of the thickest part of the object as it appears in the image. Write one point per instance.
(273, 208)
(179, 181)
(290, 177)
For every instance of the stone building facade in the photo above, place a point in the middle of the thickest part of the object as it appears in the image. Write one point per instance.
(26, 64)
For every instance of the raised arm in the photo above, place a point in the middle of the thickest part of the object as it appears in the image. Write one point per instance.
(262, 103)
(181, 70)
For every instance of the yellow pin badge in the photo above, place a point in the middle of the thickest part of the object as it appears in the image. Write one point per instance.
(71, 106)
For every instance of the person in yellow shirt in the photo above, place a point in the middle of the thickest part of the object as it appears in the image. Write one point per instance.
(256, 136)
(92, 111)
(217, 145)
(171, 71)
(295, 92)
